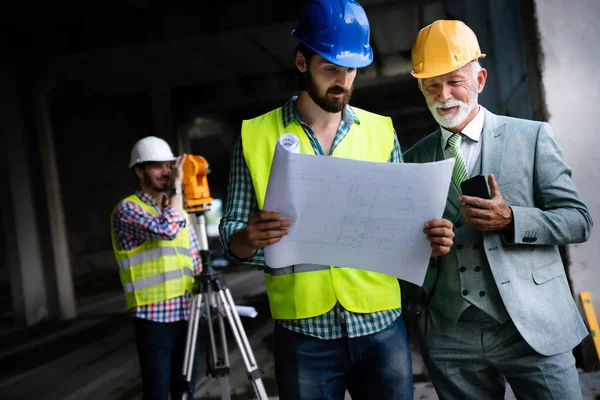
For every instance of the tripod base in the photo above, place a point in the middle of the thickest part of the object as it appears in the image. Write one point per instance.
(210, 289)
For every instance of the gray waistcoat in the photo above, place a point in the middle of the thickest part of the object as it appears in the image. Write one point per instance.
(464, 275)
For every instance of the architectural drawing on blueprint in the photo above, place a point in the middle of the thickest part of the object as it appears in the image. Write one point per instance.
(372, 227)
(355, 214)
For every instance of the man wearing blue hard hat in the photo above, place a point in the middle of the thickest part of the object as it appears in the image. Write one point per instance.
(336, 328)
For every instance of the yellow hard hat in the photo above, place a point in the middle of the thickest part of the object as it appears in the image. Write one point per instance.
(442, 47)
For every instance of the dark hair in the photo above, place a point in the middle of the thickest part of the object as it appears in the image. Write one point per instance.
(308, 53)
(134, 167)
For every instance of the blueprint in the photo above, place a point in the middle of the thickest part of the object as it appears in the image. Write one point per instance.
(355, 214)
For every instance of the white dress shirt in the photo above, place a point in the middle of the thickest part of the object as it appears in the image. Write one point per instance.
(471, 142)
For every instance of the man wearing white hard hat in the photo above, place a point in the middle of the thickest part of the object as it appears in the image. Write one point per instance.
(498, 306)
(158, 255)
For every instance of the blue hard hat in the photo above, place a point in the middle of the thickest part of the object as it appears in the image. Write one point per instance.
(338, 30)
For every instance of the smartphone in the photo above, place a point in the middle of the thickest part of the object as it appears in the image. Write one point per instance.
(476, 187)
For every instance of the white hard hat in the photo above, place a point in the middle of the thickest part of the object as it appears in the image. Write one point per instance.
(150, 148)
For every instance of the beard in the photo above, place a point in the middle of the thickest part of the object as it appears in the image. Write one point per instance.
(453, 120)
(157, 186)
(333, 106)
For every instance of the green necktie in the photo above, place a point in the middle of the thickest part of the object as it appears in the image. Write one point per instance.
(459, 174)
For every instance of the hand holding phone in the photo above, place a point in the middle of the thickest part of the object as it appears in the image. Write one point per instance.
(475, 187)
(482, 210)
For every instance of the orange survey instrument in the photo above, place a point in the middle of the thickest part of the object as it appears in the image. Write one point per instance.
(195, 183)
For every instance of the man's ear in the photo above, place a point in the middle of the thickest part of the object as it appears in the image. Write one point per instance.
(301, 62)
(481, 79)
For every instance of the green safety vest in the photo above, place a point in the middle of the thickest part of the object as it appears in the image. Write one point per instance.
(156, 270)
(301, 292)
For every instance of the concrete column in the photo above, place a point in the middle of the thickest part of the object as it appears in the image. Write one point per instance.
(58, 232)
(570, 46)
(25, 266)
(11, 258)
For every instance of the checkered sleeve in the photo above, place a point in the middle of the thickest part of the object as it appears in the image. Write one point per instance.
(239, 205)
(396, 155)
(132, 221)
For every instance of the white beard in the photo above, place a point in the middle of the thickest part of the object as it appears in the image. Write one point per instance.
(452, 120)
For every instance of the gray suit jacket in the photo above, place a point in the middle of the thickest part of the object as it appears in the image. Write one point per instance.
(527, 268)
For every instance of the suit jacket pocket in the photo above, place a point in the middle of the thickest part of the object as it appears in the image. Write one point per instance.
(548, 272)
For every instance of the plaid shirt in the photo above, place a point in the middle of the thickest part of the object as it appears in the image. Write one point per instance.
(133, 225)
(241, 203)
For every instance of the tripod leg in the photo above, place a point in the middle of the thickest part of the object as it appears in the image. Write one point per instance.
(254, 373)
(190, 344)
(211, 334)
(218, 369)
(224, 365)
(221, 308)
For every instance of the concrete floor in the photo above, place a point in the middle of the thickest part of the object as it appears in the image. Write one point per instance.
(94, 357)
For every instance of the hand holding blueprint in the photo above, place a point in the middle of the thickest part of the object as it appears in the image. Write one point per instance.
(356, 214)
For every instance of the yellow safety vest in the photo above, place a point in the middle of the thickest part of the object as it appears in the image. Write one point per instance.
(312, 292)
(156, 270)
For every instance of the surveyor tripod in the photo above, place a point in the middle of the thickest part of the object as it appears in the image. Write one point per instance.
(211, 290)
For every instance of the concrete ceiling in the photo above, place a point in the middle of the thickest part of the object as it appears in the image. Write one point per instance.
(228, 44)
(227, 58)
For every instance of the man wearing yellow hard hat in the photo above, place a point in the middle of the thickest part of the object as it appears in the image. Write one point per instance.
(498, 306)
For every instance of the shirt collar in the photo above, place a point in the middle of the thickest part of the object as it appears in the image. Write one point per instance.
(472, 130)
(290, 114)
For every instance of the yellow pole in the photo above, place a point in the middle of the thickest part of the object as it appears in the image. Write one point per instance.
(590, 315)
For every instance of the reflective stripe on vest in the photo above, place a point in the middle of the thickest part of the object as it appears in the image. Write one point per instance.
(294, 269)
(153, 254)
(157, 270)
(305, 290)
(153, 280)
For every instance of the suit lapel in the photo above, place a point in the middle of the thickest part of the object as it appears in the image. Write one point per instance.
(492, 146)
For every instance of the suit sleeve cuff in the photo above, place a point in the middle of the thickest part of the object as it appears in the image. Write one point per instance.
(508, 234)
(524, 232)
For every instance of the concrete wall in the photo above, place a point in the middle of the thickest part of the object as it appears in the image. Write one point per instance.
(570, 46)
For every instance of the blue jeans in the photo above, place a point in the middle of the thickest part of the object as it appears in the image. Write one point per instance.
(161, 347)
(377, 366)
